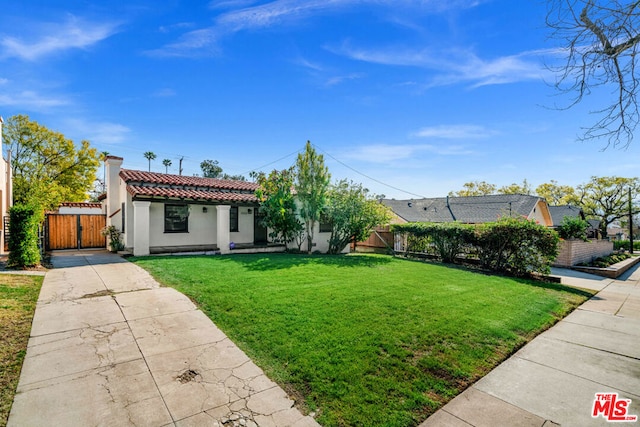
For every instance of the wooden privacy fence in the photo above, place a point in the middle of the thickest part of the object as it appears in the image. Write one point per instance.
(380, 240)
(66, 231)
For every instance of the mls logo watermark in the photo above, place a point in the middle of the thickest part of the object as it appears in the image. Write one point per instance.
(611, 408)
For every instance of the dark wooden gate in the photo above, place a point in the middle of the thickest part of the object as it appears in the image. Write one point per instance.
(70, 231)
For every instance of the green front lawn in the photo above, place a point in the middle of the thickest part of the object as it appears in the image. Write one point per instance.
(366, 340)
(18, 296)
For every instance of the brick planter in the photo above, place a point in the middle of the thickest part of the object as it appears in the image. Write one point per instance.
(572, 252)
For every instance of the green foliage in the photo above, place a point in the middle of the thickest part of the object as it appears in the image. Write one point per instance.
(606, 261)
(558, 195)
(150, 155)
(47, 167)
(475, 188)
(448, 240)
(517, 246)
(115, 237)
(166, 163)
(278, 206)
(366, 340)
(210, 168)
(353, 214)
(624, 245)
(23, 236)
(573, 228)
(606, 199)
(524, 188)
(311, 185)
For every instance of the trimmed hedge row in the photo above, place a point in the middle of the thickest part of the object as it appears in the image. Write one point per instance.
(511, 245)
(23, 236)
(624, 245)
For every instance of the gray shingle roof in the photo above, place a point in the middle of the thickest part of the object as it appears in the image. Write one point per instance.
(470, 210)
(558, 213)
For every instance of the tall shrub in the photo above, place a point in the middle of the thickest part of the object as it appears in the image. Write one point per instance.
(23, 236)
(517, 246)
(573, 228)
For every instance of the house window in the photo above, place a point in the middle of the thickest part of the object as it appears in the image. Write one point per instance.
(176, 218)
(325, 224)
(233, 219)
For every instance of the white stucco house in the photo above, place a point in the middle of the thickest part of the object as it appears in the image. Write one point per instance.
(165, 213)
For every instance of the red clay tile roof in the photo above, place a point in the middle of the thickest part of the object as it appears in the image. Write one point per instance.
(81, 205)
(180, 180)
(160, 185)
(178, 193)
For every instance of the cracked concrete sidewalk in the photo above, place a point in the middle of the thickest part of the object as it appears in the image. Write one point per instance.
(108, 346)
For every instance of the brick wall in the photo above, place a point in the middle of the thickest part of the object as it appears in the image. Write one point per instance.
(572, 252)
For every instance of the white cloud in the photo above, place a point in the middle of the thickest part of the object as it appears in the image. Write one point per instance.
(164, 93)
(31, 100)
(99, 132)
(333, 81)
(454, 66)
(73, 34)
(454, 132)
(386, 153)
(242, 15)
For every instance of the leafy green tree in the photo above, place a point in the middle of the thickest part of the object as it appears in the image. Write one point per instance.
(573, 228)
(558, 195)
(524, 188)
(277, 204)
(166, 163)
(606, 199)
(47, 167)
(210, 168)
(150, 155)
(475, 188)
(353, 214)
(311, 185)
(233, 177)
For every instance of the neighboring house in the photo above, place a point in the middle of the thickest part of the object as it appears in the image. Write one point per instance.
(559, 213)
(471, 210)
(6, 194)
(616, 232)
(163, 213)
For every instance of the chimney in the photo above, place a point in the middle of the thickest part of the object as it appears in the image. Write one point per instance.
(113, 202)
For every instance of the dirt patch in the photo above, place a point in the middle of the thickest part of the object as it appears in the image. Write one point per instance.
(187, 376)
(104, 293)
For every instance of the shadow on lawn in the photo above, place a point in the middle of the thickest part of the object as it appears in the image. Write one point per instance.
(266, 262)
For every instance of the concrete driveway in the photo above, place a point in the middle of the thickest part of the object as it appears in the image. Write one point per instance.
(110, 347)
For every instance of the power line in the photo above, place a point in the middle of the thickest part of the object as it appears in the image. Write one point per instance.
(270, 163)
(367, 176)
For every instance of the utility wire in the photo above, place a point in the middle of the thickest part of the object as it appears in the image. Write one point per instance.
(367, 176)
(270, 163)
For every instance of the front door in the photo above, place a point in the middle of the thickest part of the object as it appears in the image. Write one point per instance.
(259, 230)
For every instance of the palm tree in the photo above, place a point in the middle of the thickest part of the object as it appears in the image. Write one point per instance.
(166, 163)
(150, 155)
(103, 157)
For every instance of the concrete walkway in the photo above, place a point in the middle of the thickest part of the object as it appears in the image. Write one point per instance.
(109, 347)
(553, 379)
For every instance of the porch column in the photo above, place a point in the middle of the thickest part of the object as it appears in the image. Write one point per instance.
(223, 228)
(141, 228)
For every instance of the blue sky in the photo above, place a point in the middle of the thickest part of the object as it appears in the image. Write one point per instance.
(421, 96)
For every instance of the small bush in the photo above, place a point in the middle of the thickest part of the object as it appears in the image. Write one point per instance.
(115, 237)
(23, 236)
(624, 245)
(604, 262)
(573, 228)
(517, 246)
